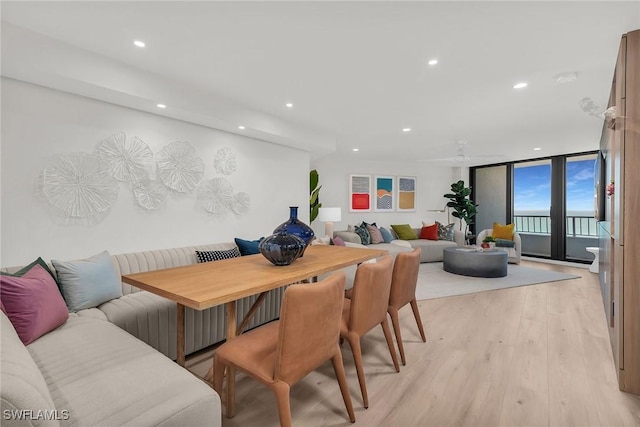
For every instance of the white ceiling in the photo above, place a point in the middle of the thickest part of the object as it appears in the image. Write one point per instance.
(356, 72)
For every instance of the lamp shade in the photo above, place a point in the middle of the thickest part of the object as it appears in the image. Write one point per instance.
(330, 214)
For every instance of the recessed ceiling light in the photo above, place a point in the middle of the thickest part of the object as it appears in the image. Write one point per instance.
(432, 62)
(241, 127)
(161, 106)
(139, 43)
(289, 105)
(537, 149)
(520, 85)
(406, 130)
(355, 149)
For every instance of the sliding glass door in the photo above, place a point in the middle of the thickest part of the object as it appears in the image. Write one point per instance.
(581, 230)
(550, 201)
(532, 206)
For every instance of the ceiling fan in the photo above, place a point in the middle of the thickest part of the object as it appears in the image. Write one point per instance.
(461, 156)
(609, 115)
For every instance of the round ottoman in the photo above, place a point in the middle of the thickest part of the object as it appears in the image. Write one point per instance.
(489, 263)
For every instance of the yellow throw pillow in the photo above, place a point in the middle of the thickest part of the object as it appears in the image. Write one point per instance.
(503, 231)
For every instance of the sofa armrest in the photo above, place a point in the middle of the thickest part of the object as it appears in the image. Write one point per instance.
(348, 236)
(459, 237)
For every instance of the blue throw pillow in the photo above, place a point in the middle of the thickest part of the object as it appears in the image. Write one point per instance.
(87, 283)
(248, 247)
(386, 235)
(504, 243)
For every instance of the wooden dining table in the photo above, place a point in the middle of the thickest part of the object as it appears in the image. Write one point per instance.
(204, 285)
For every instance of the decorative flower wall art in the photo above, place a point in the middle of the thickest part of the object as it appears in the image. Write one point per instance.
(179, 168)
(216, 196)
(126, 160)
(241, 203)
(79, 185)
(225, 161)
(149, 193)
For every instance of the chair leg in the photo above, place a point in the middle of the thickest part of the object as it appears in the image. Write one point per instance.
(338, 367)
(354, 342)
(281, 391)
(218, 374)
(395, 322)
(416, 314)
(392, 349)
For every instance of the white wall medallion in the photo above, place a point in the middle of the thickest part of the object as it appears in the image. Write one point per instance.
(179, 168)
(149, 194)
(79, 185)
(216, 196)
(241, 202)
(225, 161)
(126, 160)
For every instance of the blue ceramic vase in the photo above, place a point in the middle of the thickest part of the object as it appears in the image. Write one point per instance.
(296, 227)
(281, 248)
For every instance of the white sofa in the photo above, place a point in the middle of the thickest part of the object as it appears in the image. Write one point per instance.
(432, 250)
(97, 367)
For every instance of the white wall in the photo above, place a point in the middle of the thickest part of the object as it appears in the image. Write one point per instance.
(38, 124)
(433, 182)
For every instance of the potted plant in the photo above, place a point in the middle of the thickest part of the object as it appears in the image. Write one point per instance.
(463, 207)
(488, 242)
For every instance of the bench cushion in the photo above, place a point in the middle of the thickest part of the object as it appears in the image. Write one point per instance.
(105, 376)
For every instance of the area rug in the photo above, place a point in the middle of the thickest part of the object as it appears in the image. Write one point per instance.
(434, 282)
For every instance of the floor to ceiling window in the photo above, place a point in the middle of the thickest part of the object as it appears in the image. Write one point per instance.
(581, 229)
(550, 201)
(532, 206)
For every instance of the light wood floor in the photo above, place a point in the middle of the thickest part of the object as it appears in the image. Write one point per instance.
(527, 356)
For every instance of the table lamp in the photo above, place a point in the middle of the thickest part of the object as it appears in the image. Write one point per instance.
(329, 216)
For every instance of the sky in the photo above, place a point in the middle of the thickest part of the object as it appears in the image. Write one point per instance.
(532, 186)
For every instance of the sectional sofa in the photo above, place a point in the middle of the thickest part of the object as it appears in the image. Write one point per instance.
(111, 364)
(432, 250)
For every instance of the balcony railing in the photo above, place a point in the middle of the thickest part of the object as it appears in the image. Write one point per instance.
(577, 226)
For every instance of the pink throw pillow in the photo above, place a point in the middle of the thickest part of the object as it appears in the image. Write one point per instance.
(337, 241)
(374, 232)
(33, 303)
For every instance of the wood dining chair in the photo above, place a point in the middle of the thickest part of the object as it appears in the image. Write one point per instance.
(365, 309)
(283, 352)
(403, 291)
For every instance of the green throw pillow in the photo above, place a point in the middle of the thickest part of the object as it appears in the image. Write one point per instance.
(404, 232)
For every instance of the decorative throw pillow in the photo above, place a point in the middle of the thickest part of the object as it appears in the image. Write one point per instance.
(208, 256)
(248, 247)
(361, 230)
(338, 241)
(503, 231)
(87, 283)
(430, 232)
(374, 232)
(33, 303)
(386, 235)
(503, 243)
(445, 232)
(404, 232)
(27, 268)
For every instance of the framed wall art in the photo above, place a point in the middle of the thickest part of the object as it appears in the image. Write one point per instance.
(406, 200)
(384, 194)
(359, 193)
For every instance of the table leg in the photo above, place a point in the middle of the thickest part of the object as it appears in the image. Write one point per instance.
(231, 374)
(180, 335)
